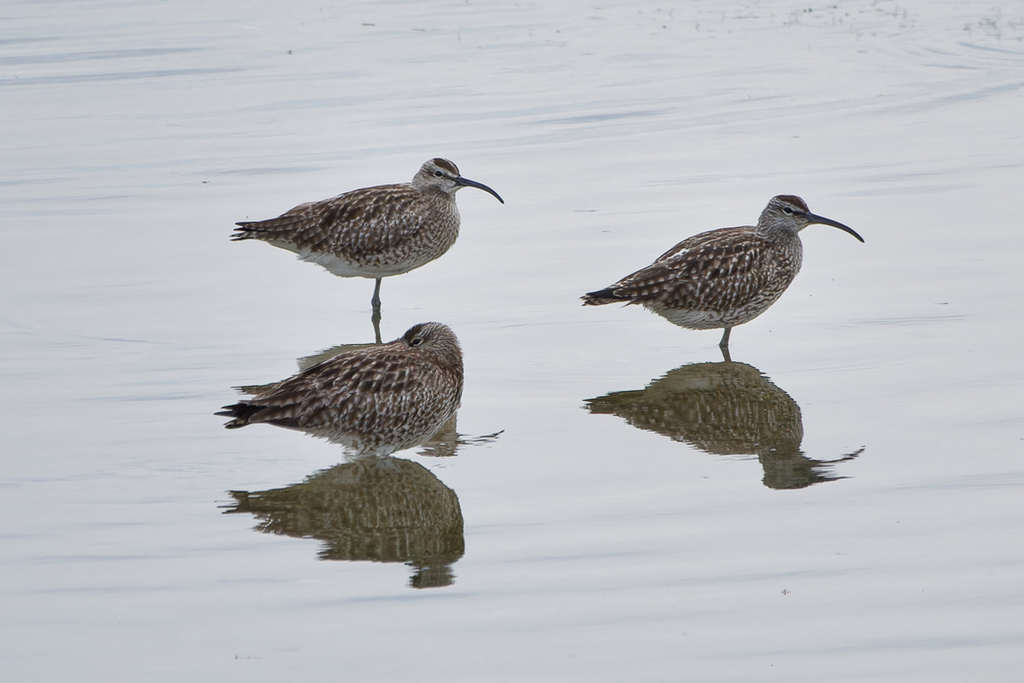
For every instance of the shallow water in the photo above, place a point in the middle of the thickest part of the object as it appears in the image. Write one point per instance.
(843, 502)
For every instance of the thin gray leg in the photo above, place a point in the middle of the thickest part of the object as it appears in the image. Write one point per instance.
(375, 317)
(376, 295)
(724, 344)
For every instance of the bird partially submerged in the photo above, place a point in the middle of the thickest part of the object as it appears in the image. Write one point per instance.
(373, 400)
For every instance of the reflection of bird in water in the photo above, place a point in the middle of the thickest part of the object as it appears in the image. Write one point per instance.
(374, 232)
(372, 509)
(448, 440)
(372, 400)
(724, 409)
(725, 277)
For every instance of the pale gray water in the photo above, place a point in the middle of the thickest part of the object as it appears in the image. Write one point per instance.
(136, 134)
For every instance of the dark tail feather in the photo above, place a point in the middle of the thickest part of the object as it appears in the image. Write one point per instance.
(241, 412)
(602, 297)
(246, 230)
(244, 414)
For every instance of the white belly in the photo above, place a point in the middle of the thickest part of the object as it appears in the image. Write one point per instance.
(693, 320)
(343, 268)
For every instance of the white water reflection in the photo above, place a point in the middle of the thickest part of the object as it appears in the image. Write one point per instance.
(136, 134)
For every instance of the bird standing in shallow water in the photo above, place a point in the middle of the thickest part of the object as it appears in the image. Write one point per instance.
(725, 277)
(373, 400)
(374, 232)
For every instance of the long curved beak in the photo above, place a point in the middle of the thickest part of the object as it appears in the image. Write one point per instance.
(466, 182)
(812, 218)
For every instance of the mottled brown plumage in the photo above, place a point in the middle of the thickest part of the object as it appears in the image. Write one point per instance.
(373, 400)
(373, 232)
(725, 409)
(725, 277)
(376, 509)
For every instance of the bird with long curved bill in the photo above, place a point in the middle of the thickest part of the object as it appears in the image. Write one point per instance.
(722, 278)
(373, 232)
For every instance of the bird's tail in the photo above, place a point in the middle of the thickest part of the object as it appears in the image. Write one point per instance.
(602, 297)
(246, 230)
(241, 412)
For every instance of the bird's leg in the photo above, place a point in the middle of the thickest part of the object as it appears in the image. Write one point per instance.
(376, 296)
(724, 344)
(375, 317)
(725, 354)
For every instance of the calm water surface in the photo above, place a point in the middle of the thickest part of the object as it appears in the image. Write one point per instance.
(844, 502)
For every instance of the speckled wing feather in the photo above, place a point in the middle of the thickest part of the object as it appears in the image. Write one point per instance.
(713, 271)
(368, 391)
(357, 225)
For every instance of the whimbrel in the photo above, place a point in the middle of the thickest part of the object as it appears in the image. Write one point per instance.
(374, 232)
(725, 277)
(373, 400)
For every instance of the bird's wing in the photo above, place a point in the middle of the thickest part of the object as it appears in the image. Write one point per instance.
(714, 271)
(366, 391)
(360, 223)
(340, 386)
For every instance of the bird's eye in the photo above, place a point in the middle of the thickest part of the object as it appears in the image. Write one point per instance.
(787, 210)
(415, 341)
(438, 174)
